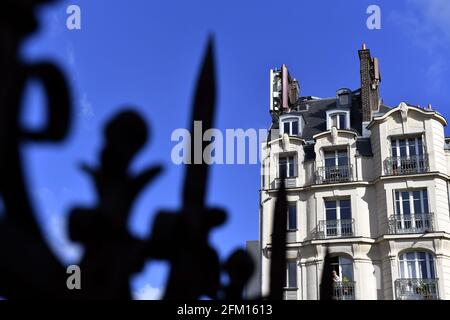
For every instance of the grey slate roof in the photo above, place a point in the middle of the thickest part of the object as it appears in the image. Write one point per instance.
(364, 147)
(314, 111)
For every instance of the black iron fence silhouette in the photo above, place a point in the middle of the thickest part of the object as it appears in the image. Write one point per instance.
(111, 253)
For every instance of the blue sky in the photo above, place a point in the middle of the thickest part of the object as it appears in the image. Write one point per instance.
(146, 54)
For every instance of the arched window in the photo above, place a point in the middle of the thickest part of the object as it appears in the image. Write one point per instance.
(417, 277)
(339, 119)
(342, 275)
(343, 267)
(417, 265)
(291, 125)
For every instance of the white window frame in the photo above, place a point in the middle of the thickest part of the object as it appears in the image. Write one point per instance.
(338, 112)
(403, 264)
(336, 157)
(396, 140)
(338, 215)
(411, 205)
(338, 207)
(294, 163)
(289, 118)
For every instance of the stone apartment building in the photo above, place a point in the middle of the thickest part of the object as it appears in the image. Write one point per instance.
(366, 180)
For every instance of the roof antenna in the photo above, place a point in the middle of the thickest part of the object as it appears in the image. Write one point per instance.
(364, 46)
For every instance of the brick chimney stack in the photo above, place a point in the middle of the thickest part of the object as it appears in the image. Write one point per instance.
(370, 82)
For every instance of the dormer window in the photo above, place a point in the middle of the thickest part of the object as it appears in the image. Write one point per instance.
(338, 119)
(343, 97)
(292, 125)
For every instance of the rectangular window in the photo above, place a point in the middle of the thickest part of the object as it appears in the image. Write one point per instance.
(287, 167)
(291, 274)
(410, 147)
(411, 202)
(338, 215)
(291, 127)
(338, 120)
(336, 158)
(337, 167)
(411, 210)
(292, 217)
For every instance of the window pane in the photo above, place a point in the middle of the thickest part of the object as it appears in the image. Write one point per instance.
(292, 274)
(397, 207)
(342, 121)
(402, 268)
(295, 128)
(342, 158)
(425, 201)
(345, 210)
(283, 167)
(412, 147)
(330, 210)
(286, 127)
(412, 272)
(431, 266)
(417, 202)
(292, 217)
(402, 145)
(334, 120)
(330, 204)
(291, 167)
(411, 256)
(406, 205)
(394, 148)
(347, 272)
(420, 146)
(329, 154)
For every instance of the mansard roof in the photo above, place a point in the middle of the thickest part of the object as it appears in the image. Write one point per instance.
(314, 112)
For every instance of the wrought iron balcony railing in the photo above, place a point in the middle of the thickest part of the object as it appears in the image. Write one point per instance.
(290, 182)
(334, 174)
(407, 165)
(344, 290)
(414, 223)
(335, 228)
(416, 289)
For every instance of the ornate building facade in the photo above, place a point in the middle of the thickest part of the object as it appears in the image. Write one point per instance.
(368, 181)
